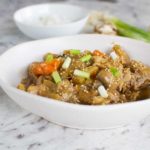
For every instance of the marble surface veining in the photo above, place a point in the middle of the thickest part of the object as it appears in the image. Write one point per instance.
(21, 130)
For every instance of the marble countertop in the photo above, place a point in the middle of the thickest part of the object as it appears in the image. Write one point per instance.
(21, 130)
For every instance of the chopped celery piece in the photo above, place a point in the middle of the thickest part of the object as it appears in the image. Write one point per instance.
(75, 51)
(49, 58)
(81, 73)
(66, 63)
(56, 77)
(86, 58)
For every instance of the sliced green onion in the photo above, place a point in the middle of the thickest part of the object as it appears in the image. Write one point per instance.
(49, 58)
(81, 73)
(75, 51)
(115, 72)
(113, 55)
(66, 63)
(86, 58)
(56, 77)
(124, 29)
(102, 91)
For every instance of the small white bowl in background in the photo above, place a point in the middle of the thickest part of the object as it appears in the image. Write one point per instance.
(49, 20)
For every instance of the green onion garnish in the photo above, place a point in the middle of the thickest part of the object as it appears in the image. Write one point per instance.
(115, 72)
(102, 91)
(56, 77)
(125, 29)
(75, 51)
(81, 73)
(66, 63)
(49, 58)
(86, 58)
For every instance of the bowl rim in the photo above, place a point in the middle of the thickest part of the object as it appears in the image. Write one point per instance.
(85, 17)
(6, 85)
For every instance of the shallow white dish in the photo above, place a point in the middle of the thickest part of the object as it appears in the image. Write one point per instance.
(27, 20)
(13, 65)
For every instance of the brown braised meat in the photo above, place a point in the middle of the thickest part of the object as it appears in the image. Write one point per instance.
(91, 78)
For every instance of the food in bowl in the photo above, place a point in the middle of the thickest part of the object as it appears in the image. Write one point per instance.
(89, 77)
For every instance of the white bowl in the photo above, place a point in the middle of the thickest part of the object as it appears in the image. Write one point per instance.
(27, 20)
(14, 62)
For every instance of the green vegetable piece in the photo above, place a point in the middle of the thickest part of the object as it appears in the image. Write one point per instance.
(127, 30)
(86, 58)
(75, 51)
(115, 72)
(66, 63)
(56, 77)
(81, 73)
(49, 58)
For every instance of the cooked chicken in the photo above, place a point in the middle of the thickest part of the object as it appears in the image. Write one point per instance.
(91, 78)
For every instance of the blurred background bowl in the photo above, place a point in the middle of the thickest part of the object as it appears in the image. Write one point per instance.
(28, 20)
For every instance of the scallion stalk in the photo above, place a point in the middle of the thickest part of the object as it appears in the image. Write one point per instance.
(49, 58)
(102, 91)
(115, 72)
(75, 51)
(66, 63)
(86, 58)
(127, 30)
(56, 77)
(81, 73)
